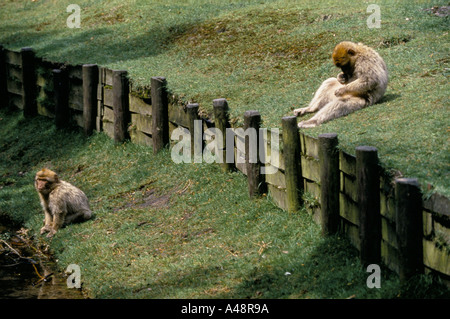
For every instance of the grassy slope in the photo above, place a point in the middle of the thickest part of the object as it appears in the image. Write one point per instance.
(159, 231)
(266, 55)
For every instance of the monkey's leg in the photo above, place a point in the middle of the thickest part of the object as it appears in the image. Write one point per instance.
(48, 220)
(58, 221)
(81, 215)
(323, 95)
(337, 108)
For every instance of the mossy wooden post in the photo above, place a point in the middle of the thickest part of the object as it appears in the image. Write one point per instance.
(4, 96)
(293, 168)
(409, 226)
(29, 90)
(196, 132)
(160, 113)
(121, 105)
(256, 181)
(61, 94)
(90, 87)
(329, 183)
(222, 122)
(368, 187)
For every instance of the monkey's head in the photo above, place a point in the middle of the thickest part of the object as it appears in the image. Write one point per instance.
(45, 181)
(344, 54)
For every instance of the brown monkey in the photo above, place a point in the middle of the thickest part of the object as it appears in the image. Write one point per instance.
(361, 83)
(62, 202)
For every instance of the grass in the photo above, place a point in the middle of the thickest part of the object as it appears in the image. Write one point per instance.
(166, 230)
(266, 55)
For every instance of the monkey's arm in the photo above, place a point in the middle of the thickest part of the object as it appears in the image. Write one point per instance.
(48, 218)
(59, 214)
(342, 78)
(359, 87)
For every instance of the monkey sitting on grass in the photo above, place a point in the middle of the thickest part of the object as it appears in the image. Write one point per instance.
(62, 202)
(361, 83)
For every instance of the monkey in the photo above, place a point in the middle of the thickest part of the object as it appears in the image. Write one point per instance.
(62, 202)
(361, 83)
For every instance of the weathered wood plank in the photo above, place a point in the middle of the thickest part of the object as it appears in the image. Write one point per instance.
(348, 209)
(13, 57)
(138, 105)
(108, 114)
(313, 188)
(121, 104)
(143, 123)
(14, 72)
(309, 146)
(277, 179)
(439, 204)
(348, 186)
(108, 128)
(62, 95)
(387, 206)
(29, 82)
(90, 87)
(347, 163)
(178, 115)
(78, 118)
(368, 184)
(14, 87)
(388, 232)
(222, 123)
(107, 78)
(352, 233)
(310, 169)
(108, 96)
(389, 256)
(293, 177)
(16, 101)
(76, 96)
(279, 196)
(160, 113)
(75, 73)
(140, 138)
(409, 228)
(435, 258)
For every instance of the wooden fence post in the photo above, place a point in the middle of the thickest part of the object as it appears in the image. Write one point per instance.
(368, 186)
(121, 105)
(256, 180)
(292, 160)
(409, 226)
(28, 82)
(160, 114)
(329, 183)
(222, 122)
(196, 132)
(4, 96)
(61, 91)
(90, 87)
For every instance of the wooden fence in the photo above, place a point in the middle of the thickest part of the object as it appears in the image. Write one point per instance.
(385, 218)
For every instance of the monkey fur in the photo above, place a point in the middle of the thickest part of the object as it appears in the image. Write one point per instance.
(361, 83)
(62, 202)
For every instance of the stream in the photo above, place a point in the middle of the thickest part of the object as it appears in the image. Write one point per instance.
(28, 273)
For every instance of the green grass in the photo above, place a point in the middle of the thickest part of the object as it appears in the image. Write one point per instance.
(266, 55)
(166, 230)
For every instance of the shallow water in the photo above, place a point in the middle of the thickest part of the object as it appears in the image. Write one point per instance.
(21, 278)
